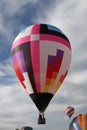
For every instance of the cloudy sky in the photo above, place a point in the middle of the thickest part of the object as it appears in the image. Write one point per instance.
(16, 108)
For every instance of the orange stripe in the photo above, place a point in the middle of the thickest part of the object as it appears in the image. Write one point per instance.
(80, 120)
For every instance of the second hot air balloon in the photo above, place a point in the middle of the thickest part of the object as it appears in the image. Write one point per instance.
(69, 110)
(79, 122)
(41, 56)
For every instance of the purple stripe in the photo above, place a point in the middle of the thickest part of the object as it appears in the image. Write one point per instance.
(60, 53)
(20, 58)
(51, 59)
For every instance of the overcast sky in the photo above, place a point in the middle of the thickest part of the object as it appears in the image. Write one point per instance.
(16, 108)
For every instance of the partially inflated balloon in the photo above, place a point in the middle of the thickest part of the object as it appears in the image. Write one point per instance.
(79, 122)
(27, 128)
(41, 56)
(69, 111)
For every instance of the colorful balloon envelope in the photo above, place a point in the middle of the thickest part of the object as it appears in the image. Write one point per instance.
(41, 56)
(27, 128)
(79, 122)
(69, 111)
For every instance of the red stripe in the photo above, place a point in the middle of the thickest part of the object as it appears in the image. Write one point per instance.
(35, 56)
(19, 72)
(56, 39)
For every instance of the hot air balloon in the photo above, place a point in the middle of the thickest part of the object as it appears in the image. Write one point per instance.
(69, 110)
(79, 122)
(41, 56)
(27, 128)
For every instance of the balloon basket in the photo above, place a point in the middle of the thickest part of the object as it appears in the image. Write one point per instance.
(41, 119)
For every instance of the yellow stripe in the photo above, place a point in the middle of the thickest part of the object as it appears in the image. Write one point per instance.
(83, 122)
(57, 87)
(71, 113)
(46, 88)
(52, 82)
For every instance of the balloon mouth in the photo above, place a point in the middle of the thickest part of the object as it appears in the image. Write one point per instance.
(41, 100)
